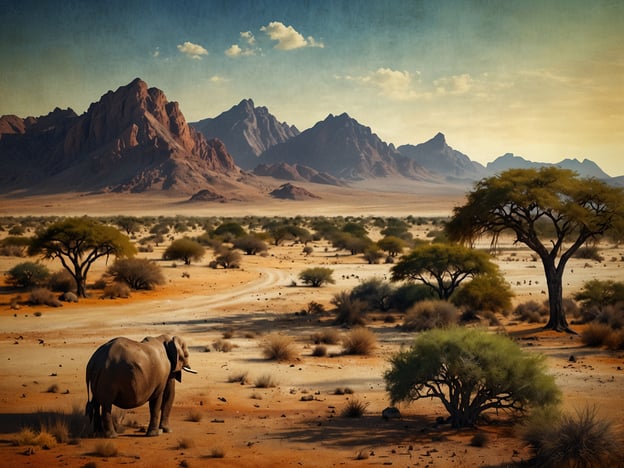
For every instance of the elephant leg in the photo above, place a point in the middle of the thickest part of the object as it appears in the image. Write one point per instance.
(107, 421)
(154, 406)
(167, 404)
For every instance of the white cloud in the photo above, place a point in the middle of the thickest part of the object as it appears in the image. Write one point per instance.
(287, 37)
(456, 84)
(393, 84)
(194, 51)
(233, 51)
(236, 50)
(217, 79)
(156, 52)
(248, 37)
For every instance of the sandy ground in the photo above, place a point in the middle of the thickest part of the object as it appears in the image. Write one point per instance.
(297, 423)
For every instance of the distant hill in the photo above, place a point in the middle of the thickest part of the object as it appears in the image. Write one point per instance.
(586, 168)
(342, 147)
(295, 172)
(437, 156)
(131, 140)
(247, 131)
(289, 191)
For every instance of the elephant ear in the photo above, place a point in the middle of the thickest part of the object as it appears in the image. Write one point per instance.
(173, 353)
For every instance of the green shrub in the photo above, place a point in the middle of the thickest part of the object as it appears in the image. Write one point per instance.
(28, 275)
(470, 371)
(426, 315)
(408, 294)
(317, 276)
(374, 292)
(485, 293)
(184, 249)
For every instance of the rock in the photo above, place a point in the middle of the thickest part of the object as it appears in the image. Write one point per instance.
(391, 412)
(68, 297)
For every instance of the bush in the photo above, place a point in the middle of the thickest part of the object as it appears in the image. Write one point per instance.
(28, 275)
(354, 409)
(580, 440)
(329, 336)
(600, 293)
(531, 312)
(317, 276)
(589, 252)
(184, 249)
(14, 246)
(596, 334)
(43, 296)
(250, 244)
(265, 381)
(406, 295)
(359, 341)
(426, 315)
(470, 371)
(138, 273)
(373, 292)
(349, 311)
(227, 258)
(484, 293)
(116, 290)
(62, 281)
(279, 348)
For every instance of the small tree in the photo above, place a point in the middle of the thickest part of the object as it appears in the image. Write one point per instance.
(442, 267)
(78, 243)
(470, 371)
(484, 292)
(228, 258)
(317, 276)
(250, 244)
(138, 273)
(391, 244)
(184, 249)
(28, 274)
(600, 293)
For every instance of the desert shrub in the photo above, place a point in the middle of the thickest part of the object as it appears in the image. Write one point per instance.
(373, 292)
(408, 294)
(470, 371)
(106, 449)
(372, 254)
(314, 308)
(28, 275)
(116, 290)
(360, 341)
(600, 293)
(62, 281)
(222, 346)
(531, 312)
(229, 231)
(354, 409)
(328, 336)
(250, 244)
(185, 443)
(615, 341)
(612, 315)
(184, 249)
(589, 252)
(319, 351)
(307, 250)
(430, 314)
(484, 293)
(138, 273)
(317, 276)
(41, 438)
(278, 347)
(349, 311)
(241, 377)
(217, 452)
(265, 381)
(480, 439)
(14, 246)
(194, 415)
(43, 296)
(596, 334)
(579, 440)
(227, 258)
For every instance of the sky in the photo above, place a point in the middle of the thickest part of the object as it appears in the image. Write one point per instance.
(541, 79)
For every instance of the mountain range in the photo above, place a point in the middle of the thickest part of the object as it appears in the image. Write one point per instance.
(135, 140)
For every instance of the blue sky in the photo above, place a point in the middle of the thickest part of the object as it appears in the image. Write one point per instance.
(542, 79)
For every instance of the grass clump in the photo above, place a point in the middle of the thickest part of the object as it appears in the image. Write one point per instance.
(106, 449)
(359, 341)
(194, 415)
(319, 351)
(265, 381)
(575, 440)
(354, 409)
(241, 378)
(596, 334)
(279, 348)
(329, 336)
(185, 443)
(222, 346)
(426, 315)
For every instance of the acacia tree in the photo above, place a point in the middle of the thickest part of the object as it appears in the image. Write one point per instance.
(470, 371)
(550, 210)
(78, 243)
(442, 267)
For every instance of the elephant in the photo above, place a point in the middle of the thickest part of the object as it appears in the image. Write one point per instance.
(128, 373)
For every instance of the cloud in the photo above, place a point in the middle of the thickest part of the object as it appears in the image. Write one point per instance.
(456, 84)
(287, 37)
(194, 51)
(217, 79)
(236, 50)
(393, 84)
(156, 52)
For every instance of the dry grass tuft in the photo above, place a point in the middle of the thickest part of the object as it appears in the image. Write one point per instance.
(241, 378)
(222, 346)
(266, 381)
(185, 443)
(194, 415)
(279, 348)
(359, 341)
(106, 449)
(217, 453)
(354, 409)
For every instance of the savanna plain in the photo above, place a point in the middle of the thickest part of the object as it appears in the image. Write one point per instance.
(243, 409)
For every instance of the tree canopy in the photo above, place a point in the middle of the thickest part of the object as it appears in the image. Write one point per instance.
(78, 243)
(470, 371)
(550, 210)
(442, 267)
(184, 249)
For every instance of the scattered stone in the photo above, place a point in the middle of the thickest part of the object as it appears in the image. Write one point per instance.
(391, 412)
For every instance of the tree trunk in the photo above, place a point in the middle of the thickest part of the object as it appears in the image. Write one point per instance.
(554, 279)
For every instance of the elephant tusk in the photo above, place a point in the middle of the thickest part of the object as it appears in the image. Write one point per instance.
(188, 369)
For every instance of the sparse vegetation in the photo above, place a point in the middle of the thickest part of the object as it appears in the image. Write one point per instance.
(137, 273)
(359, 341)
(28, 275)
(265, 381)
(184, 249)
(317, 276)
(426, 315)
(354, 408)
(43, 296)
(278, 347)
